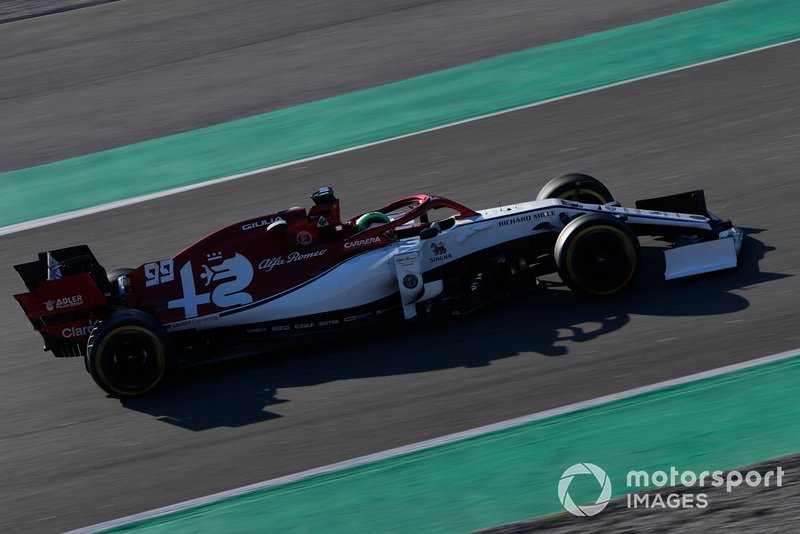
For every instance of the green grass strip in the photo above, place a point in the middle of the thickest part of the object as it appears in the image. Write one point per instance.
(718, 423)
(398, 108)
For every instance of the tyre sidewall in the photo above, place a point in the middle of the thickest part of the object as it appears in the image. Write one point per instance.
(130, 325)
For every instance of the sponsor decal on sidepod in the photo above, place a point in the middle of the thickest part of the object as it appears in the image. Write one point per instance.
(440, 253)
(270, 263)
(362, 242)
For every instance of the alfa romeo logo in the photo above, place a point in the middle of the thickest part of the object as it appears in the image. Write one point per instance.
(304, 237)
(587, 509)
(410, 281)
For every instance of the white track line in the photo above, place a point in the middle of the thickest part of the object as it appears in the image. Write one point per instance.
(347, 464)
(53, 219)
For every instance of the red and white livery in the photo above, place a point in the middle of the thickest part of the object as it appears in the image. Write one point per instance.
(300, 271)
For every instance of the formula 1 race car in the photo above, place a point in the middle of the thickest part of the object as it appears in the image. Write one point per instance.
(297, 271)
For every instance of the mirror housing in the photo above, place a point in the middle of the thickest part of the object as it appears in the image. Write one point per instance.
(429, 232)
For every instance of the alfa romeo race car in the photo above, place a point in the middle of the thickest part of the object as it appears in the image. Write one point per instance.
(297, 272)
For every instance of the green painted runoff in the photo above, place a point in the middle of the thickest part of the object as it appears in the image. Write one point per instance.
(394, 109)
(719, 423)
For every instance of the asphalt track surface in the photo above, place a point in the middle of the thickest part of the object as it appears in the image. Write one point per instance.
(95, 78)
(72, 457)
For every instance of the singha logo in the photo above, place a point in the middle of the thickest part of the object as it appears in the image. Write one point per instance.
(439, 252)
(438, 249)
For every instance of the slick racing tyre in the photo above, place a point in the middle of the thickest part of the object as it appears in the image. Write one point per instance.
(128, 354)
(597, 255)
(578, 188)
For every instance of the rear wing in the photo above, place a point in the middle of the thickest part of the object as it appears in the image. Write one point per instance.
(68, 294)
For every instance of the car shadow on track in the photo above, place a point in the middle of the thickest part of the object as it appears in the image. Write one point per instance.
(547, 322)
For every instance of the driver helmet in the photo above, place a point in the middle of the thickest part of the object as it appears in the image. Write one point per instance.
(371, 219)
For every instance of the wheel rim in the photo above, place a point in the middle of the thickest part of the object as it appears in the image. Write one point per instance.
(602, 260)
(131, 361)
(583, 195)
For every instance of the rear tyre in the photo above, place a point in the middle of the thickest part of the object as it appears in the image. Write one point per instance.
(129, 354)
(597, 255)
(577, 188)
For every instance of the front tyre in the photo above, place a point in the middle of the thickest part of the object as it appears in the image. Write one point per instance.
(576, 187)
(128, 355)
(597, 255)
